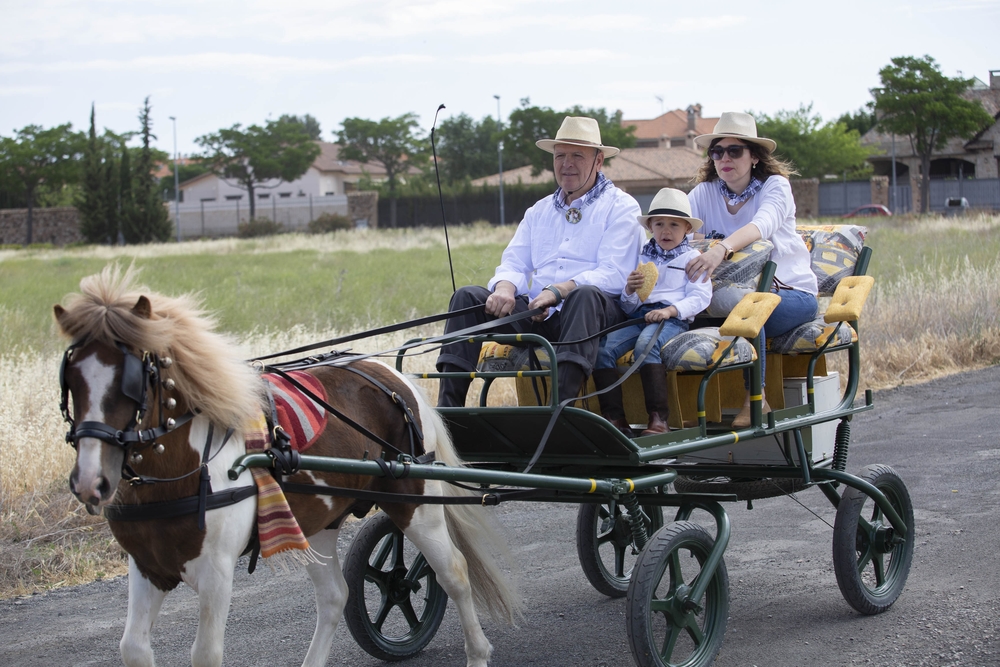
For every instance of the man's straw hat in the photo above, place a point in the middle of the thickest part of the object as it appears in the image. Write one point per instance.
(578, 131)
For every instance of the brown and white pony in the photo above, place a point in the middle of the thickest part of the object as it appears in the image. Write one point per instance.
(118, 330)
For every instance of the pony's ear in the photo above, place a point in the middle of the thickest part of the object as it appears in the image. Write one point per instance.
(59, 311)
(143, 308)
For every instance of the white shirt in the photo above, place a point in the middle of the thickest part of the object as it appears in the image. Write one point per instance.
(772, 211)
(599, 250)
(673, 287)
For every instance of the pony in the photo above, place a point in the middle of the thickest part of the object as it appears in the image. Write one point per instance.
(159, 405)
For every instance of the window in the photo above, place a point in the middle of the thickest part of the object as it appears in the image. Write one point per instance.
(327, 194)
(234, 197)
(266, 195)
(284, 195)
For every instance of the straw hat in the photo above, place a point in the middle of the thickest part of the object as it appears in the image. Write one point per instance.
(670, 203)
(736, 125)
(578, 131)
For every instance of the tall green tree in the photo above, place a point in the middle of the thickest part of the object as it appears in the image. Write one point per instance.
(861, 120)
(144, 218)
(279, 151)
(528, 124)
(917, 101)
(467, 148)
(392, 142)
(815, 148)
(310, 124)
(35, 156)
(92, 204)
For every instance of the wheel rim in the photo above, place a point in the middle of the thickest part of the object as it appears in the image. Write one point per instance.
(614, 538)
(399, 598)
(679, 626)
(879, 550)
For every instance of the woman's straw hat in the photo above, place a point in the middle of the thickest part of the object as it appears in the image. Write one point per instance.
(670, 203)
(736, 125)
(578, 131)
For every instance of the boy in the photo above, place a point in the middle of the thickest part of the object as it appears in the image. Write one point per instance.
(669, 297)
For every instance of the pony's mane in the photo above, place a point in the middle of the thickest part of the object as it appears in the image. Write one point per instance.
(207, 371)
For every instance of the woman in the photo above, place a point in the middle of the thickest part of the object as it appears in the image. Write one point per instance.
(743, 195)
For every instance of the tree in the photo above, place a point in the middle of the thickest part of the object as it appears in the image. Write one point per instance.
(97, 224)
(310, 124)
(813, 147)
(279, 151)
(36, 156)
(391, 142)
(529, 123)
(917, 101)
(468, 149)
(861, 120)
(144, 218)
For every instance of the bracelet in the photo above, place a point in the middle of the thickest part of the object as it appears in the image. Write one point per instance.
(554, 290)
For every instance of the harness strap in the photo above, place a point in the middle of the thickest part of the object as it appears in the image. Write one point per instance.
(169, 509)
(416, 435)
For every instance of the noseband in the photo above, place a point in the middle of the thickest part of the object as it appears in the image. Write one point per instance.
(138, 376)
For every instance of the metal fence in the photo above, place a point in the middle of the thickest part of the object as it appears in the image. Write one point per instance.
(843, 197)
(981, 193)
(209, 219)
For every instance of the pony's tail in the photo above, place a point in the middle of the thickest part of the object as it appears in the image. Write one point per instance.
(477, 534)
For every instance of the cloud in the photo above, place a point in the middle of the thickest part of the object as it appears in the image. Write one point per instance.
(18, 91)
(551, 57)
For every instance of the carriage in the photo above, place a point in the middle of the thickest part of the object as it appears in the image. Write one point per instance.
(547, 448)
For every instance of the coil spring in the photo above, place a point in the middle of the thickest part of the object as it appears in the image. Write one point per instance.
(638, 521)
(841, 443)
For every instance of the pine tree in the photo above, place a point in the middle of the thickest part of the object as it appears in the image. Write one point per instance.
(91, 203)
(147, 221)
(111, 194)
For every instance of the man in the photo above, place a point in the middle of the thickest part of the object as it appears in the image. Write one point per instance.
(570, 255)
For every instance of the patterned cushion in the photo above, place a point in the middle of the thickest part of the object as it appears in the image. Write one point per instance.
(735, 277)
(834, 251)
(499, 358)
(807, 338)
(698, 349)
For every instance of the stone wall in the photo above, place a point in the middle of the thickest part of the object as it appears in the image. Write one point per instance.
(805, 191)
(363, 206)
(58, 225)
(880, 190)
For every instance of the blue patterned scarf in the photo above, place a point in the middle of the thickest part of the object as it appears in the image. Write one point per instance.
(593, 194)
(658, 255)
(750, 190)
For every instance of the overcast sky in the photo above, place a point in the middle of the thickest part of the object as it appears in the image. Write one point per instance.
(213, 64)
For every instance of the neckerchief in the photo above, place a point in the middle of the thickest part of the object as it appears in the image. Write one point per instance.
(749, 191)
(654, 252)
(602, 184)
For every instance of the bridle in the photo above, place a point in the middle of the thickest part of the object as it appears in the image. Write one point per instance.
(139, 374)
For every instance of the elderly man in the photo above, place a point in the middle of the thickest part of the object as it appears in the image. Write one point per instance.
(570, 255)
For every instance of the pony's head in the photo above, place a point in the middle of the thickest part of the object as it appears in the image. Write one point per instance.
(140, 365)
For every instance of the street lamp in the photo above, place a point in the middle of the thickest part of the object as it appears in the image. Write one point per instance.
(177, 191)
(500, 156)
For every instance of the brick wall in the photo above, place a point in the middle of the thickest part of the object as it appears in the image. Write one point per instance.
(880, 190)
(58, 225)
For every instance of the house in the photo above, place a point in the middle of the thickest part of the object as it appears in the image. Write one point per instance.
(673, 129)
(328, 175)
(978, 157)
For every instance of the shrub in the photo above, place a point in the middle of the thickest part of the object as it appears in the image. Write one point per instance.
(330, 222)
(259, 227)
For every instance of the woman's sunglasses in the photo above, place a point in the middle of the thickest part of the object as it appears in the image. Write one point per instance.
(735, 151)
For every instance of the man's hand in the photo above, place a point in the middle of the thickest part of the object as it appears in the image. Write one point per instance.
(501, 302)
(547, 299)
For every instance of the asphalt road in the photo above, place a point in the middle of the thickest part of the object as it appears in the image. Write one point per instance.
(785, 608)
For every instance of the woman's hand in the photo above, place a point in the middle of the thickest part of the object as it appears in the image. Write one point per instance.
(703, 266)
(634, 282)
(661, 315)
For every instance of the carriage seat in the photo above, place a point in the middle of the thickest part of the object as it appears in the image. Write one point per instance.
(834, 250)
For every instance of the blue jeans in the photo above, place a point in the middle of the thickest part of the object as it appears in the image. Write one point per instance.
(637, 337)
(796, 307)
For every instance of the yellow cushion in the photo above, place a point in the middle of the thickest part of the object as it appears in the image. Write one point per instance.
(849, 299)
(750, 314)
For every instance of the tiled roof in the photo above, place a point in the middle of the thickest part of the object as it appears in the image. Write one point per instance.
(671, 124)
(329, 160)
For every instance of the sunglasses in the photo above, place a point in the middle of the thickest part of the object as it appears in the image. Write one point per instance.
(735, 151)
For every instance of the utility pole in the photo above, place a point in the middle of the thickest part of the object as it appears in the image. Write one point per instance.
(177, 190)
(500, 157)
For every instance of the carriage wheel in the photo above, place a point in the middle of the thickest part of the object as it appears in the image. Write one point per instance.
(870, 561)
(394, 605)
(664, 627)
(743, 489)
(605, 545)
